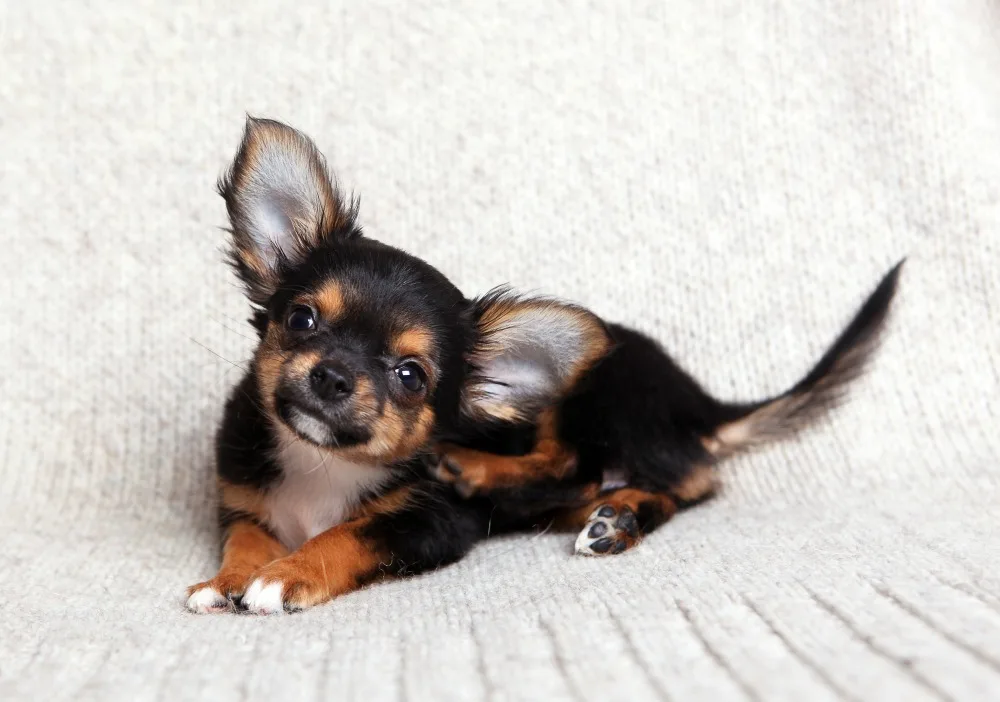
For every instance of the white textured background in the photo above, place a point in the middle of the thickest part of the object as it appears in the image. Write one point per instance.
(731, 176)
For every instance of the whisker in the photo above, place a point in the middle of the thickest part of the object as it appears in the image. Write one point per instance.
(322, 456)
(254, 403)
(543, 532)
(219, 355)
(234, 331)
(329, 480)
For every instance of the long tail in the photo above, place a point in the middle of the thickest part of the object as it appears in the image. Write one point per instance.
(747, 426)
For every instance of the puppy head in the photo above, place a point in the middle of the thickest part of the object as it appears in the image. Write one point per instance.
(362, 345)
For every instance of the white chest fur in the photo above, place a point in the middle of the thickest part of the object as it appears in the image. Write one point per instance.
(317, 490)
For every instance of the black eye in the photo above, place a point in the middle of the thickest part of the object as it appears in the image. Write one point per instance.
(300, 319)
(411, 375)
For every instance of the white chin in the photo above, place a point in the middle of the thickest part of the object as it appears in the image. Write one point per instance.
(310, 427)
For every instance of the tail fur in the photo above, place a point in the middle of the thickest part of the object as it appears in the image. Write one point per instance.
(822, 389)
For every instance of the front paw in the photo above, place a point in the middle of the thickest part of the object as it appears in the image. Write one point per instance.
(284, 585)
(216, 595)
(461, 468)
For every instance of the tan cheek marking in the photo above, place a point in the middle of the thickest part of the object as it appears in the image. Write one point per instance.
(393, 438)
(388, 432)
(365, 402)
(272, 364)
(366, 411)
(268, 372)
(417, 436)
(413, 342)
(302, 363)
(330, 300)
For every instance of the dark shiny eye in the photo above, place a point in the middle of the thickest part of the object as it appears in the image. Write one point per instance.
(411, 375)
(300, 319)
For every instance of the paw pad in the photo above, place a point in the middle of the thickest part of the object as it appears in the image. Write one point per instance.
(598, 530)
(608, 531)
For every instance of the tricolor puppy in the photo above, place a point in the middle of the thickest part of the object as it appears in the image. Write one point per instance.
(377, 388)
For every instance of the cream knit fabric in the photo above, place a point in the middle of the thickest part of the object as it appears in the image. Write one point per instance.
(730, 176)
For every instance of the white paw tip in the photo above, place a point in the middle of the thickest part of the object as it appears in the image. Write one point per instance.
(206, 600)
(582, 546)
(264, 599)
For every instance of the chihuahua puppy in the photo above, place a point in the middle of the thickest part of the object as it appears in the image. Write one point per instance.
(387, 423)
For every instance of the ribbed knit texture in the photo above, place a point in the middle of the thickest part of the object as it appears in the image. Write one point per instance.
(731, 176)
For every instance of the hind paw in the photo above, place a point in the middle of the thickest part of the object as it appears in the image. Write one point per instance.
(609, 530)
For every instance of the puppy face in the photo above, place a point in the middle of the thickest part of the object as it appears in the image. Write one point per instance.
(362, 345)
(359, 345)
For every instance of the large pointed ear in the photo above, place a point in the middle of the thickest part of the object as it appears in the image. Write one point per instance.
(530, 353)
(281, 203)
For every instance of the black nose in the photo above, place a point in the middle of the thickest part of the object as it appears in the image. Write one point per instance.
(331, 380)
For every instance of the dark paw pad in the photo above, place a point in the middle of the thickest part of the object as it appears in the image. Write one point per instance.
(449, 471)
(598, 530)
(609, 530)
(450, 466)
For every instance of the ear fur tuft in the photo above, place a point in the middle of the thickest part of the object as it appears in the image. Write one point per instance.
(529, 353)
(282, 204)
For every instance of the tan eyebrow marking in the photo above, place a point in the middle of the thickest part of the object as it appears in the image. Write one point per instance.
(330, 300)
(416, 341)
